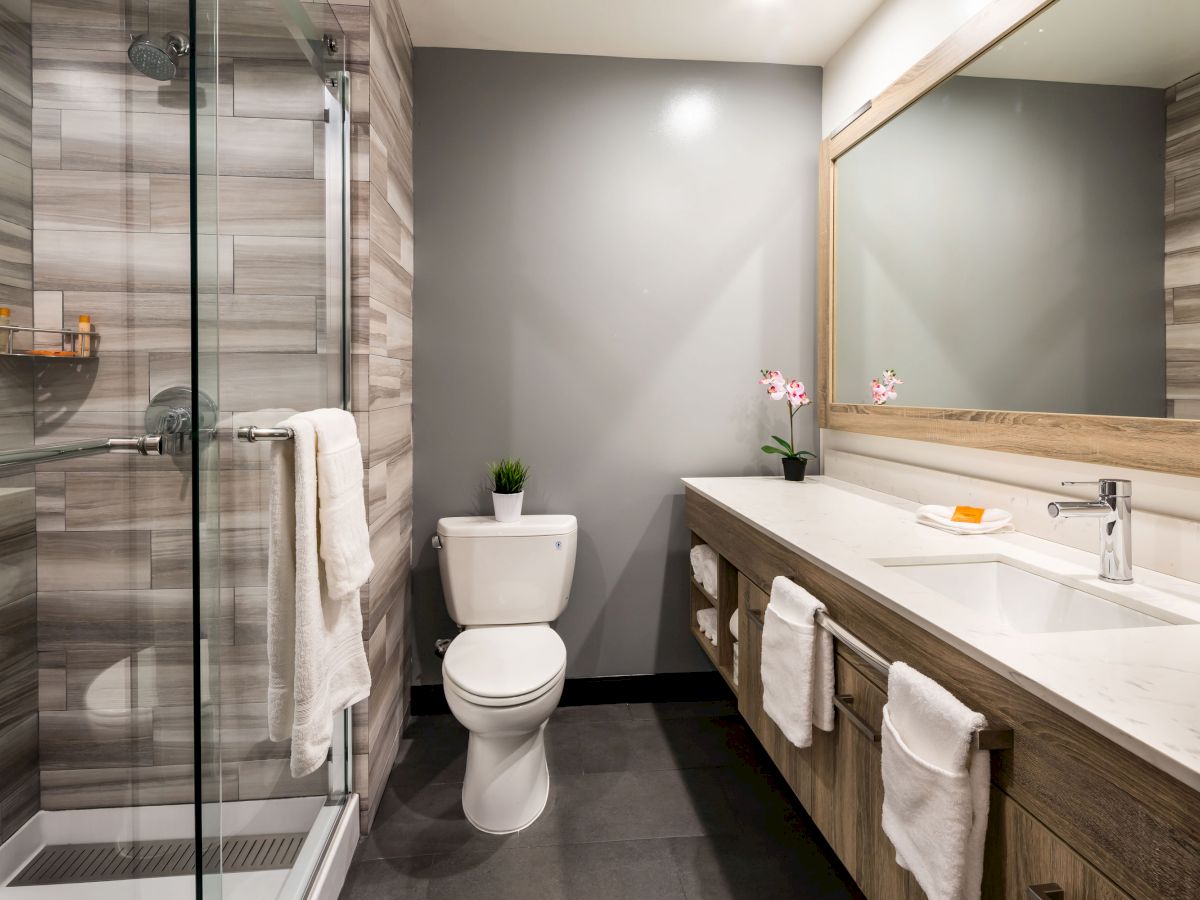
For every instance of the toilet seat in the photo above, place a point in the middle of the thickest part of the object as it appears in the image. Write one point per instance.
(505, 665)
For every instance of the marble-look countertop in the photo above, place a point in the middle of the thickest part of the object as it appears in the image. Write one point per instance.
(1139, 687)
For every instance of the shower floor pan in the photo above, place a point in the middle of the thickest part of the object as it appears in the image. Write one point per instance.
(76, 863)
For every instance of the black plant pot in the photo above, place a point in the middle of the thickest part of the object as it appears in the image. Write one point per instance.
(793, 469)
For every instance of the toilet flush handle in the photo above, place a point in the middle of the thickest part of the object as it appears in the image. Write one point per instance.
(437, 542)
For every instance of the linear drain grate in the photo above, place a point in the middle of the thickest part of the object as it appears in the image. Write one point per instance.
(76, 863)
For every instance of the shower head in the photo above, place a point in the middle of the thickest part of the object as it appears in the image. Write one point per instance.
(158, 57)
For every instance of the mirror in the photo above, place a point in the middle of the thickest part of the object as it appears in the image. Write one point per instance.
(1026, 236)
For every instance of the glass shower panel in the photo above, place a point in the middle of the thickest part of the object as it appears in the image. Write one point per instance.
(274, 346)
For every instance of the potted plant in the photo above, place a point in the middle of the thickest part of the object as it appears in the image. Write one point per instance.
(794, 461)
(508, 488)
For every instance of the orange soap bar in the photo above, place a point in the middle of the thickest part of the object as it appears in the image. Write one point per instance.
(972, 514)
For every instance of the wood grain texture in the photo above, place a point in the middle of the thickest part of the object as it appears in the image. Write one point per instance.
(1182, 264)
(1110, 807)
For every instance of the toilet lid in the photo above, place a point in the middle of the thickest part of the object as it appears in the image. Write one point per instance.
(504, 661)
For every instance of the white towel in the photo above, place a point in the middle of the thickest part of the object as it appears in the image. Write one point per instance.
(344, 539)
(935, 788)
(707, 620)
(733, 626)
(994, 521)
(704, 567)
(315, 657)
(797, 663)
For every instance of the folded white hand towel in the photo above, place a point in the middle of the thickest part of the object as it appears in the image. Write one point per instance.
(797, 663)
(344, 538)
(935, 788)
(941, 517)
(315, 657)
(704, 567)
(707, 620)
(733, 626)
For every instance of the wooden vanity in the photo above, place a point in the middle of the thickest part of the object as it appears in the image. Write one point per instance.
(1069, 806)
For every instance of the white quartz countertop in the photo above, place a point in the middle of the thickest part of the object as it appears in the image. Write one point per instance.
(1139, 687)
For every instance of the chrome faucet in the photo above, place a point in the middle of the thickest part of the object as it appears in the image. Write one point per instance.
(1113, 508)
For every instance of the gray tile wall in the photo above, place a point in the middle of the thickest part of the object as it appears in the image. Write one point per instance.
(18, 604)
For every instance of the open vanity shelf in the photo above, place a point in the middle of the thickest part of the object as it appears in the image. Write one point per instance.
(726, 604)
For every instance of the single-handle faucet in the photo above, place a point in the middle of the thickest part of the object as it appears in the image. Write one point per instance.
(1113, 508)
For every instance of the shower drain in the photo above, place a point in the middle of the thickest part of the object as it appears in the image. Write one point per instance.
(75, 863)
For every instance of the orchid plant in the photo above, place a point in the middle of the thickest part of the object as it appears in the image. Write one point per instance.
(779, 388)
(884, 390)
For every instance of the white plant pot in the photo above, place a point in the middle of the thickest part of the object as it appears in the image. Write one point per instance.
(507, 506)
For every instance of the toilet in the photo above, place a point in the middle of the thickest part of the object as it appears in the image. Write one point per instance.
(503, 675)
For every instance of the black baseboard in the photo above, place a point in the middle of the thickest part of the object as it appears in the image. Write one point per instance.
(668, 687)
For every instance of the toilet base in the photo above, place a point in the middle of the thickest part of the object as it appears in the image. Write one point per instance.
(507, 783)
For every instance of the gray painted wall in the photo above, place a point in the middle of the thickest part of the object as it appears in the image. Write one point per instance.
(610, 251)
(1000, 244)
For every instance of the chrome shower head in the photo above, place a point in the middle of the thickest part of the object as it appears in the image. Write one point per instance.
(158, 57)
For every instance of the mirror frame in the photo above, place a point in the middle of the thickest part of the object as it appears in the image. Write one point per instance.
(1166, 445)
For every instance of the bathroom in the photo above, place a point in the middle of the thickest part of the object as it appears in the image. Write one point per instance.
(735, 448)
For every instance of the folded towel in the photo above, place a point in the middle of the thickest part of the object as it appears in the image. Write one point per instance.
(704, 567)
(735, 663)
(797, 663)
(344, 539)
(733, 626)
(707, 620)
(935, 788)
(990, 521)
(315, 657)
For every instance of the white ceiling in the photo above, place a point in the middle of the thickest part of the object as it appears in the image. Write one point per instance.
(800, 32)
(1147, 43)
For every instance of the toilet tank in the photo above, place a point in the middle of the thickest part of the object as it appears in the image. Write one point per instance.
(506, 574)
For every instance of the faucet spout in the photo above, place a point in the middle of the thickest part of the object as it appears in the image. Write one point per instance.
(1076, 509)
(1113, 509)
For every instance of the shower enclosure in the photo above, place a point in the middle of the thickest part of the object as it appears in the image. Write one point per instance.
(173, 268)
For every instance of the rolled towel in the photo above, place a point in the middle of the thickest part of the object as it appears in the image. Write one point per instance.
(704, 567)
(735, 663)
(707, 620)
(797, 663)
(935, 788)
(965, 519)
(733, 626)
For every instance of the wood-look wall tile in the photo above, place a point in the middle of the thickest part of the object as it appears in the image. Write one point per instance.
(390, 382)
(18, 566)
(135, 142)
(391, 549)
(391, 487)
(47, 138)
(127, 786)
(1182, 269)
(243, 558)
(16, 59)
(116, 677)
(272, 779)
(50, 501)
(16, 192)
(254, 381)
(280, 148)
(390, 434)
(279, 265)
(16, 128)
(16, 264)
(16, 433)
(19, 764)
(249, 615)
(84, 739)
(161, 499)
(134, 322)
(48, 313)
(52, 679)
(16, 396)
(93, 560)
(19, 802)
(286, 207)
(110, 382)
(18, 514)
(269, 323)
(391, 332)
(112, 261)
(277, 89)
(125, 618)
(104, 24)
(18, 660)
(91, 201)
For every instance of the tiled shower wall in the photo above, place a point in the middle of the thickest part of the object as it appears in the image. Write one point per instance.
(1183, 248)
(18, 629)
(381, 296)
(114, 543)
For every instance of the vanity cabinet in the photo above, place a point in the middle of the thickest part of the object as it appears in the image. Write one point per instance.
(1068, 806)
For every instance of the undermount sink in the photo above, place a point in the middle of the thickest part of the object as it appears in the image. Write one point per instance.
(1021, 600)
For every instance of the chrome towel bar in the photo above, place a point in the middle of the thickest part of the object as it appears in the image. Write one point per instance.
(985, 739)
(252, 434)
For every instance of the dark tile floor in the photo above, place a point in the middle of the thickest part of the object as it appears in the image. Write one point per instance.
(657, 801)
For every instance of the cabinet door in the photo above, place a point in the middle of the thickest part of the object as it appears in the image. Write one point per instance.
(809, 772)
(1021, 852)
(857, 809)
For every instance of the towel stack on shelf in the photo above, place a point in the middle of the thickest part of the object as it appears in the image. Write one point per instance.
(733, 632)
(704, 568)
(707, 620)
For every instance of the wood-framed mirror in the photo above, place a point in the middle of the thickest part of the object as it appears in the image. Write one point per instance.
(1014, 226)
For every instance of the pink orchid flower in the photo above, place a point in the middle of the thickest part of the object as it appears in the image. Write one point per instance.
(776, 390)
(879, 393)
(770, 378)
(796, 394)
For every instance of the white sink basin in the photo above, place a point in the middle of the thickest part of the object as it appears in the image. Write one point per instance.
(1021, 600)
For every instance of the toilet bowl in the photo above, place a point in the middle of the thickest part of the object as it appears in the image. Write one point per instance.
(503, 675)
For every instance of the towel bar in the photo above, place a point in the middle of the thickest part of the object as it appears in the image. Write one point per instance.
(253, 433)
(985, 738)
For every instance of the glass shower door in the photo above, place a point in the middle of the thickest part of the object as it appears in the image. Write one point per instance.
(270, 190)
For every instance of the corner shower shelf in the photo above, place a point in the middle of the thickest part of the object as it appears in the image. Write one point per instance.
(67, 338)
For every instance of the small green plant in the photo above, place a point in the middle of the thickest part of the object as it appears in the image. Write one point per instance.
(508, 476)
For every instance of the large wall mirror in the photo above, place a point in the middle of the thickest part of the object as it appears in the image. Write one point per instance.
(1026, 235)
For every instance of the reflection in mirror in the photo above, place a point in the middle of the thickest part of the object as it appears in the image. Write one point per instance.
(1007, 242)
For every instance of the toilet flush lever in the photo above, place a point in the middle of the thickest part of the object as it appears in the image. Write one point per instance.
(437, 542)
(440, 646)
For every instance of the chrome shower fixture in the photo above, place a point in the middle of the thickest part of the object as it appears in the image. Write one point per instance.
(158, 57)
